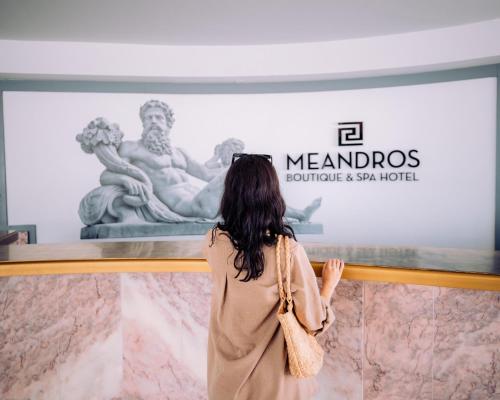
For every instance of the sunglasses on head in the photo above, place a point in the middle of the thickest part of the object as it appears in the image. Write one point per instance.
(236, 156)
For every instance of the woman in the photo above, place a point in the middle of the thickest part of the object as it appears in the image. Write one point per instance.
(247, 356)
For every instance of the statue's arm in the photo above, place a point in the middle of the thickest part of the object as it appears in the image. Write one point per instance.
(112, 178)
(214, 162)
(199, 170)
(117, 162)
(133, 186)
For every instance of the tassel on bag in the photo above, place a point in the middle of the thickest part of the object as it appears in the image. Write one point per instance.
(305, 355)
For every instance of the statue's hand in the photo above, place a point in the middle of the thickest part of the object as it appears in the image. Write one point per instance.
(139, 189)
(140, 176)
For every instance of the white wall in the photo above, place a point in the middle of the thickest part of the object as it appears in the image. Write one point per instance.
(445, 48)
(451, 124)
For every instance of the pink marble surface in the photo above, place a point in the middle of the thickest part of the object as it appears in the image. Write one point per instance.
(165, 320)
(59, 337)
(398, 328)
(144, 336)
(341, 375)
(466, 344)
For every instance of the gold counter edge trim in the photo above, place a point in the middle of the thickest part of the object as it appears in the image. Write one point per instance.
(56, 267)
(359, 272)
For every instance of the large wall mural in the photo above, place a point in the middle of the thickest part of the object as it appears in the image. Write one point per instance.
(145, 187)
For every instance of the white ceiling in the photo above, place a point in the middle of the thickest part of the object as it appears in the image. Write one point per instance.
(231, 22)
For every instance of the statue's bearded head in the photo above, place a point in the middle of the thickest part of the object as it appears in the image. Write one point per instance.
(157, 120)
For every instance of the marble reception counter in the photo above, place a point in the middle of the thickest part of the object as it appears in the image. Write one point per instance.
(129, 320)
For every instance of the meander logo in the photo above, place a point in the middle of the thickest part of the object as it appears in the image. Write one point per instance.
(350, 133)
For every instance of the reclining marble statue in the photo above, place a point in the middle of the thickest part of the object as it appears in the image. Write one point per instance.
(149, 180)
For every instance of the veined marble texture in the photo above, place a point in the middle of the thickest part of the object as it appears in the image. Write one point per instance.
(143, 336)
(165, 320)
(466, 344)
(60, 337)
(398, 329)
(423, 342)
(341, 375)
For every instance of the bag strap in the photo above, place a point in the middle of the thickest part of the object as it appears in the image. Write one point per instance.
(285, 294)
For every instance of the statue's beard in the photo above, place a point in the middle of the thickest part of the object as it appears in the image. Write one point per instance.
(157, 141)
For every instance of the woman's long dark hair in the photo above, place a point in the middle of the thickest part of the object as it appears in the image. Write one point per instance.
(252, 211)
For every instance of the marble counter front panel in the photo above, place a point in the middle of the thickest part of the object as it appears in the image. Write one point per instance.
(144, 336)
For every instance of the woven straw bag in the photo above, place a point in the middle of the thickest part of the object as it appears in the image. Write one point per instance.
(305, 355)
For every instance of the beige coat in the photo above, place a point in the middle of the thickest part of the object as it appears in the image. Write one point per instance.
(247, 357)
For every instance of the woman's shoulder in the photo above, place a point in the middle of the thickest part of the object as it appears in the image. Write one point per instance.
(298, 253)
(215, 236)
(208, 241)
(294, 245)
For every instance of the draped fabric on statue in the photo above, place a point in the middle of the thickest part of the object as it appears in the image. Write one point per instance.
(97, 207)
